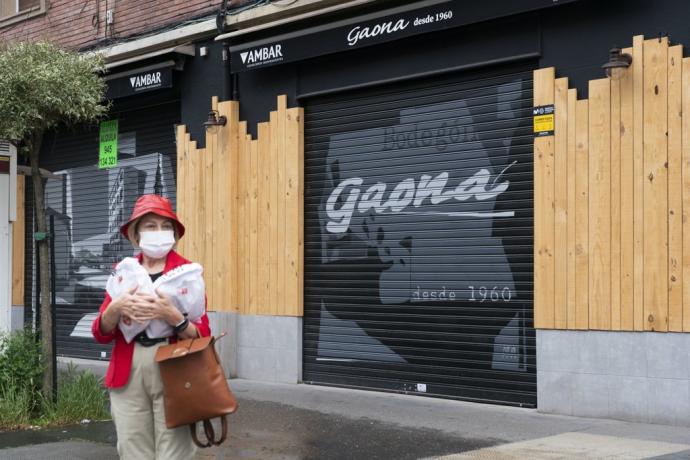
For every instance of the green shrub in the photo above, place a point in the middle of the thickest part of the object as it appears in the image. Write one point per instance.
(21, 368)
(80, 394)
(16, 406)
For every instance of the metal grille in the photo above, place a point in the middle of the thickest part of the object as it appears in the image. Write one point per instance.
(419, 238)
(86, 206)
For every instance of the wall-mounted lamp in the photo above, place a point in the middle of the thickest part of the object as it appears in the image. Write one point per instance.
(213, 121)
(617, 60)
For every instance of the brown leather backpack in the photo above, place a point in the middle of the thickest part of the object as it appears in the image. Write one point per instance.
(194, 387)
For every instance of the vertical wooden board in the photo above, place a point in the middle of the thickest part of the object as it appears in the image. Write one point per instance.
(264, 207)
(273, 215)
(655, 145)
(561, 204)
(254, 224)
(675, 192)
(223, 180)
(243, 221)
(18, 246)
(191, 234)
(627, 219)
(582, 215)
(615, 193)
(209, 232)
(200, 204)
(282, 202)
(293, 199)
(599, 204)
(544, 82)
(570, 212)
(638, 183)
(686, 193)
(300, 213)
(233, 288)
(181, 185)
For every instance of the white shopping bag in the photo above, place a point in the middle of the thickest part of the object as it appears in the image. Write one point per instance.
(127, 274)
(184, 285)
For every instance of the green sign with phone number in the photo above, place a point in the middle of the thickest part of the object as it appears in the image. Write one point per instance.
(107, 149)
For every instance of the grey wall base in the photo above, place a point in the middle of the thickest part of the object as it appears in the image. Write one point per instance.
(633, 376)
(258, 347)
(222, 322)
(269, 348)
(17, 314)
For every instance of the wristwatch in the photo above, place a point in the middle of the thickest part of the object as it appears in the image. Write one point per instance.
(181, 326)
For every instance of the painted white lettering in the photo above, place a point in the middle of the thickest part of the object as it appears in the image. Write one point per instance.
(372, 198)
(401, 196)
(341, 217)
(358, 33)
(478, 186)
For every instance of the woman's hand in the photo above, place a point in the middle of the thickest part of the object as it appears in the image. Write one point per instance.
(148, 307)
(123, 306)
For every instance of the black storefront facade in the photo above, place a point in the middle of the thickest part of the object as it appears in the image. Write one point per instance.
(87, 200)
(419, 181)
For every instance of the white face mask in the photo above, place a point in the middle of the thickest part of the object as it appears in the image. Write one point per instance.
(157, 244)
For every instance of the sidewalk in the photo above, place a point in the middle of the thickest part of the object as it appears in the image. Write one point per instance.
(278, 421)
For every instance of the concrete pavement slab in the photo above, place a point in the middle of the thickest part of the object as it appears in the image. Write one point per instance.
(574, 446)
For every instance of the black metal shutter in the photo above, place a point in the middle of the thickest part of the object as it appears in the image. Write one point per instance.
(419, 238)
(88, 205)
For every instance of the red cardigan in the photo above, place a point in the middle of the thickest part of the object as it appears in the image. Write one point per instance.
(120, 364)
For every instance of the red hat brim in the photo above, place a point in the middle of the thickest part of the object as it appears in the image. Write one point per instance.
(156, 205)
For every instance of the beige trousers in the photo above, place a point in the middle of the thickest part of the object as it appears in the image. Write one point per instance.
(139, 416)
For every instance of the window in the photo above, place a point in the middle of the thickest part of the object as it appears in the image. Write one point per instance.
(12, 11)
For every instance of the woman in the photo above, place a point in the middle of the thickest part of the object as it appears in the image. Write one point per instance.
(133, 377)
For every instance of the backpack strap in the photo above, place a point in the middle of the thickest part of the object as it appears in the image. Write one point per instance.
(210, 433)
(192, 428)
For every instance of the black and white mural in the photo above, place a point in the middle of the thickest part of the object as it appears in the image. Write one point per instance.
(88, 205)
(419, 240)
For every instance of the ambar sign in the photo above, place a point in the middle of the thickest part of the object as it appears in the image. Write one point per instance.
(139, 82)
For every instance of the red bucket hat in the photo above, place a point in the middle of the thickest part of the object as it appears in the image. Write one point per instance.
(156, 204)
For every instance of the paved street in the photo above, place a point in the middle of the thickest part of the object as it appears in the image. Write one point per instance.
(309, 422)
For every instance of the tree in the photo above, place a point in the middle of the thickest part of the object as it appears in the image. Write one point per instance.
(43, 87)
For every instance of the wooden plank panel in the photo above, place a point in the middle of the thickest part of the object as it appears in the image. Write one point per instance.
(626, 177)
(544, 82)
(18, 246)
(675, 193)
(243, 184)
(200, 205)
(655, 185)
(273, 216)
(582, 215)
(254, 224)
(570, 212)
(300, 214)
(638, 183)
(599, 204)
(264, 205)
(181, 185)
(561, 204)
(234, 147)
(615, 193)
(294, 217)
(686, 193)
(193, 252)
(282, 183)
(224, 183)
(209, 232)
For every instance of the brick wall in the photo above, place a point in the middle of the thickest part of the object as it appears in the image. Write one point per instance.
(79, 24)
